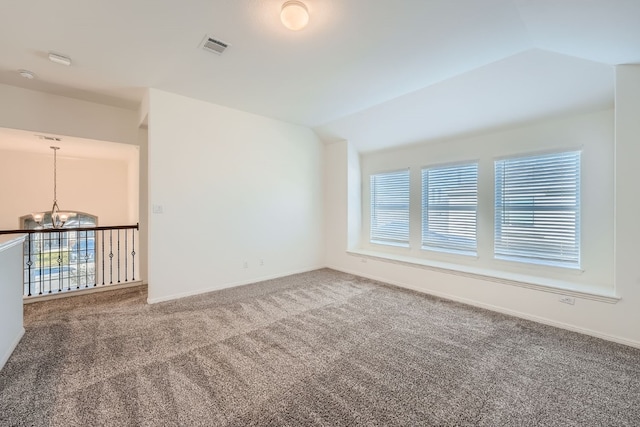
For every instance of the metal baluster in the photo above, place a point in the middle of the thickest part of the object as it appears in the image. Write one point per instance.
(126, 255)
(76, 249)
(78, 259)
(95, 259)
(110, 256)
(44, 244)
(102, 255)
(118, 255)
(41, 260)
(60, 273)
(49, 258)
(133, 255)
(29, 262)
(86, 259)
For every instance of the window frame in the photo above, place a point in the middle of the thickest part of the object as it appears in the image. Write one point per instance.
(468, 171)
(394, 236)
(549, 212)
(75, 251)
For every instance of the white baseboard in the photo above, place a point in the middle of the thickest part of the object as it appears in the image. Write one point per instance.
(229, 285)
(538, 319)
(14, 344)
(77, 292)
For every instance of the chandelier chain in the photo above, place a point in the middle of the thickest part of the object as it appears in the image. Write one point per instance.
(55, 173)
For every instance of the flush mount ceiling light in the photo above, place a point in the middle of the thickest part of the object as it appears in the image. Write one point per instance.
(294, 15)
(59, 59)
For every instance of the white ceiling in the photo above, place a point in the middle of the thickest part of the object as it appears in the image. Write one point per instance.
(377, 72)
(70, 147)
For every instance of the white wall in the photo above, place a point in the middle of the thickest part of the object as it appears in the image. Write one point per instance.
(234, 188)
(343, 215)
(52, 114)
(614, 321)
(143, 203)
(102, 187)
(626, 315)
(10, 295)
(591, 133)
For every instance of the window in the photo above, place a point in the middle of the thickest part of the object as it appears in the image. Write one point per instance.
(537, 209)
(449, 208)
(390, 208)
(59, 260)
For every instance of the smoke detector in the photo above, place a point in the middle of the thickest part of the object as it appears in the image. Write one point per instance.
(214, 45)
(27, 74)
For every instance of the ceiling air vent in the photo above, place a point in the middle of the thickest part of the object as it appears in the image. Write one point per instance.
(212, 45)
(49, 138)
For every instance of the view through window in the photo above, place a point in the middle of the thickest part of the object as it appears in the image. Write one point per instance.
(58, 260)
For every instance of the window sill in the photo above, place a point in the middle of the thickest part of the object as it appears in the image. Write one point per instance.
(520, 280)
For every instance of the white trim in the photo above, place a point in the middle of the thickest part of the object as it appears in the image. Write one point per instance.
(11, 348)
(76, 292)
(229, 285)
(523, 281)
(543, 320)
(11, 242)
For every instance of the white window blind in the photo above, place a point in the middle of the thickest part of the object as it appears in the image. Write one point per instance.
(390, 208)
(537, 209)
(449, 208)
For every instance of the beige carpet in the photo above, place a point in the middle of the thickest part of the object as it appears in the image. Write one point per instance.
(320, 348)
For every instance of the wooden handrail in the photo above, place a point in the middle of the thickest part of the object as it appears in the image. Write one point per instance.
(57, 230)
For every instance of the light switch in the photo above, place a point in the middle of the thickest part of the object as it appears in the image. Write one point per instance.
(158, 209)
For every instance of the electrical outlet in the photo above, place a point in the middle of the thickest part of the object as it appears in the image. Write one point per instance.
(261, 262)
(567, 300)
(245, 264)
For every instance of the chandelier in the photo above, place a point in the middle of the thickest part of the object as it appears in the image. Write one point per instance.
(58, 217)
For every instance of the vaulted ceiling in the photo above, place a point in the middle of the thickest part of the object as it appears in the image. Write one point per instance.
(377, 72)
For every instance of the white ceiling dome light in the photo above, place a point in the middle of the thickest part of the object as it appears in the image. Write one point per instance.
(294, 15)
